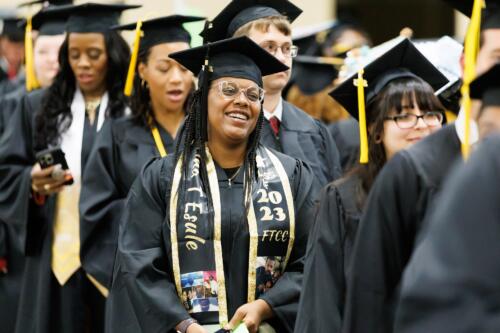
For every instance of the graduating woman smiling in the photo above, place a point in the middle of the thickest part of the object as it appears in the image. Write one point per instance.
(215, 234)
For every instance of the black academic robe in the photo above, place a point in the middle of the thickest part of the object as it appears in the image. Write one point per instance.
(304, 138)
(10, 283)
(401, 197)
(144, 250)
(328, 257)
(123, 146)
(44, 305)
(8, 105)
(452, 283)
(345, 133)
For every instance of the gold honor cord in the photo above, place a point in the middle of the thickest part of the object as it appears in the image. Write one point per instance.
(363, 133)
(159, 143)
(31, 81)
(471, 50)
(219, 261)
(129, 83)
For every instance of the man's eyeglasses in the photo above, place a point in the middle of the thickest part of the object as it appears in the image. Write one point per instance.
(406, 121)
(288, 50)
(229, 90)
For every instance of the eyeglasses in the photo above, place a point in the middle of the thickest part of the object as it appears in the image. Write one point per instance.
(289, 51)
(406, 121)
(229, 90)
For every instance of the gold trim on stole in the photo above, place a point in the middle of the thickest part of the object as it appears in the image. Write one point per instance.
(219, 261)
(289, 200)
(252, 255)
(173, 227)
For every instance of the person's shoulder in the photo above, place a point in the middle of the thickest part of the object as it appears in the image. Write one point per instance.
(290, 164)
(299, 120)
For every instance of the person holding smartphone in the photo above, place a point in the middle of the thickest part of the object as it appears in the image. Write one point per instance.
(62, 121)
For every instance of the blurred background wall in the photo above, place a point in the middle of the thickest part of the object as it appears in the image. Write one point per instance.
(382, 18)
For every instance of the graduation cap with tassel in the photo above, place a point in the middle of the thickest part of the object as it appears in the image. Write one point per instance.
(402, 60)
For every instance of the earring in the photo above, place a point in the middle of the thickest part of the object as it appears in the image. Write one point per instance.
(144, 84)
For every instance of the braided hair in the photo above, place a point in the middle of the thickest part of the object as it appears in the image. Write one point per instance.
(195, 135)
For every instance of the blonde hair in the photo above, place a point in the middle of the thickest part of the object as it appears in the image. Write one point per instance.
(280, 22)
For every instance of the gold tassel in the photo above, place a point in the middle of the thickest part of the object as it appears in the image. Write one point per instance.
(129, 84)
(363, 132)
(31, 80)
(471, 51)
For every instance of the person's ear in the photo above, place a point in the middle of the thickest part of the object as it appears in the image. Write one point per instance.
(142, 69)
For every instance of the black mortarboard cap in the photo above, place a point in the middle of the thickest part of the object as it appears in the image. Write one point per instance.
(160, 30)
(313, 74)
(91, 17)
(487, 87)
(48, 23)
(240, 12)
(403, 60)
(235, 57)
(11, 28)
(490, 16)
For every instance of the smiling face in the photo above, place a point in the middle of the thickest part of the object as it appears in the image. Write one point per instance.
(88, 60)
(46, 52)
(231, 121)
(169, 82)
(395, 138)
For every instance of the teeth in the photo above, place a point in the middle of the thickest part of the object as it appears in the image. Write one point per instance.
(238, 115)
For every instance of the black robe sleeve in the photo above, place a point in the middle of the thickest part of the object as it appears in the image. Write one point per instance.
(16, 161)
(332, 153)
(452, 283)
(101, 207)
(319, 309)
(283, 297)
(383, 246)
(144, 264)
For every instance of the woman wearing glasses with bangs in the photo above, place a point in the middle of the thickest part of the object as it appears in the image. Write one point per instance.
(214, 235)
(401, 109)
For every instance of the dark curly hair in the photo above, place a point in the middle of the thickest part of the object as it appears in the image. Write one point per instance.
(390, 98)
(54, 117)
(140, 101)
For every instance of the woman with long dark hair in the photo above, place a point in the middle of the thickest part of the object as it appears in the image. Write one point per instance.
(39, 193)
(161, 94)
(205, 227)
(401, 109)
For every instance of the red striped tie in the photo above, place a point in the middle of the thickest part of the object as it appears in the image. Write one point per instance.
(275, 125)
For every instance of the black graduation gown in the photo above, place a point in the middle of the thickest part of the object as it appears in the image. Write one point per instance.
(8, 105)
(328, 257)
(306, 139)
(10, 283)
(44, 305)
(145, 260)
(452, 283)
(345, 133)
(399, 200)
(123, 147)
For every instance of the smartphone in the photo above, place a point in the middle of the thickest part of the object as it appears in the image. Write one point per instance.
(53, 156)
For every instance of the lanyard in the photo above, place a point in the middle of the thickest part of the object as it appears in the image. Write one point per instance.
(157, 138)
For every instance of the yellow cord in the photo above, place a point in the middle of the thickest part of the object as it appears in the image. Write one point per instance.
(363, 132)
(31, 80)
(129, 84)
(471, 50)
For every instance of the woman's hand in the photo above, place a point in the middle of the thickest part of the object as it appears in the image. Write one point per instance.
(195, 328)
(252, 314)
(48, 181)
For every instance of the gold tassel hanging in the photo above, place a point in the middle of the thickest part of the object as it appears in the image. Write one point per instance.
(471, 51)
(129, 84)
(31, 80)
(361, 83)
